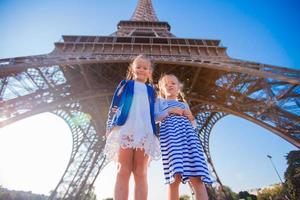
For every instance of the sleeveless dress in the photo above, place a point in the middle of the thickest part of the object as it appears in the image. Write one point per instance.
(181, 149)
(137, 131)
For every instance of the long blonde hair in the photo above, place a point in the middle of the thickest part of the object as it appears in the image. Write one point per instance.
(161, 81)
(129, 75)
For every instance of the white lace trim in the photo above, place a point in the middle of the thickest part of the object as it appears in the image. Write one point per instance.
(115, 141)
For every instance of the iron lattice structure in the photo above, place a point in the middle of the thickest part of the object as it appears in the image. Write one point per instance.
(77, 79)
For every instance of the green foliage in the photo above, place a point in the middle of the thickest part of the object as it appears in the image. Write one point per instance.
(216, 193)
(246, 195)
(278, 192)
(230, 195)
(212, 193)
(91, 193)
(292, 174)
(184, 197)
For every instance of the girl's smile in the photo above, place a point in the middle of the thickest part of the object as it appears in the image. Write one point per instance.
(141, 70)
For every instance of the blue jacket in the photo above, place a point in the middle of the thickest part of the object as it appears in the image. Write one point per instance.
(123, 101)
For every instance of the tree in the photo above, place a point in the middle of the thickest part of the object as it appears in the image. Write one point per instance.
(292, 174)
(230, 195)
(184, 197)
(91, 193)
(278, 192)
(211, 192)
(217, 193)
(246, 195)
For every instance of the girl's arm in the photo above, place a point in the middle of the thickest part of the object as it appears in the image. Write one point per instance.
(187, 112)
(159, 116)
(159, 112)
(176, 111)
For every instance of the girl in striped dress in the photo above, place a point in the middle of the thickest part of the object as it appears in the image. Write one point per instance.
(182, 154)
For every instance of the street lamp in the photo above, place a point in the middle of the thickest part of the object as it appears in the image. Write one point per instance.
(275, 168)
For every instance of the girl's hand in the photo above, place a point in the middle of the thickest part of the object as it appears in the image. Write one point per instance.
(188, 114)
(114, 109)
(176, 111)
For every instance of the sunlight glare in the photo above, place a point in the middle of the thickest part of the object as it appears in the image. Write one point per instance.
(34, 153)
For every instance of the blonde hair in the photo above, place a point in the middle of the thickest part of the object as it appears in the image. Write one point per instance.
(161, 82)
(129, 75)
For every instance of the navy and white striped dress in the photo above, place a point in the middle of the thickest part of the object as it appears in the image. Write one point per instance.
(181, 149)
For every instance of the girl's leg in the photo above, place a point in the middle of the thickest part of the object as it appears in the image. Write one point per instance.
(125, 164)
(199, 188)
(173, 189)
(140, 166)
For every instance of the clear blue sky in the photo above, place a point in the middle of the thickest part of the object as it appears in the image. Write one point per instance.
(265, 31)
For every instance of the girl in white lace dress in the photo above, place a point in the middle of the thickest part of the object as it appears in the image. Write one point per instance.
(131, 139)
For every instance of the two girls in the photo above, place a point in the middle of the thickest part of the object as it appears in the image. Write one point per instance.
(131, 138)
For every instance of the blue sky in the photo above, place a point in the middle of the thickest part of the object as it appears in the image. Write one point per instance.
(263, 31)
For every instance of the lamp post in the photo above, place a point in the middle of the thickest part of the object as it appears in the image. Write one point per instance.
(270, 157)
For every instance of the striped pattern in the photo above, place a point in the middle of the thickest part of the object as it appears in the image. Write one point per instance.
(181, 149)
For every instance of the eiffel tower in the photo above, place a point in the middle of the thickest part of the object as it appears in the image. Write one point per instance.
(77, 79)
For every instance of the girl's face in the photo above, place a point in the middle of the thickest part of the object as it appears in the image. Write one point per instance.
(170, 87)
(141, 70)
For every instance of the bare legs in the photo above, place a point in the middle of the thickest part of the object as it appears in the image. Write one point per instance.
(140, 167)
(125, 166)
(199, 188)
(173, 189)
(131, 161)
(197, 184)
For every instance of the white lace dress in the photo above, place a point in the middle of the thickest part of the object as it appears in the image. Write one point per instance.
(137, 131)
